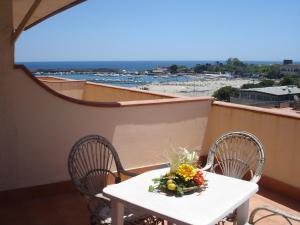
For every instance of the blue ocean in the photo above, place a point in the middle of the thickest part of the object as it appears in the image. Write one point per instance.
(122, 65)
(126, 80)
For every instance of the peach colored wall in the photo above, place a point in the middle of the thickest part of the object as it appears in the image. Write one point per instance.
(94, 92)
(7, 123)
(72, 89)
(6, 43)
(279, 134)
(50, 78)
(43, 128)
(106, 93)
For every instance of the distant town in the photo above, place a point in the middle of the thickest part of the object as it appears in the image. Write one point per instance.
(233, 67)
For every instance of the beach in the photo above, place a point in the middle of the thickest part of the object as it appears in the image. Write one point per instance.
(198, 87)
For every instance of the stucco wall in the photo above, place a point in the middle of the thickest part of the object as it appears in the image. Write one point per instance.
(95, 92)
(72, 89)
(41, 128)
(279, 134)
(51, 78)
(98, 92)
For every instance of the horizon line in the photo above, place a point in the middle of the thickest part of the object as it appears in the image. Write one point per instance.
(158, 60)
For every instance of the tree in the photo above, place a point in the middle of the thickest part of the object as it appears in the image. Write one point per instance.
(236, 66)
(173, 68)
(266, 83)
(274, 72)
(183, 69)
(249, 85)
(199, 68)
(289, 80)
(224, 93)
(235, 62)
(263, 83)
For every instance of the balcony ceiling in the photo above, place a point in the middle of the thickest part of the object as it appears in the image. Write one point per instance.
(44, 10)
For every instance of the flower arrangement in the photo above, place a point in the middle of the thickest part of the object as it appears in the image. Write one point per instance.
(183, 177)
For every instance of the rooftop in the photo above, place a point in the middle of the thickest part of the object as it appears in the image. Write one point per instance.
(276, 90)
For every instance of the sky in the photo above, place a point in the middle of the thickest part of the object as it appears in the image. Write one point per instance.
(166, 30)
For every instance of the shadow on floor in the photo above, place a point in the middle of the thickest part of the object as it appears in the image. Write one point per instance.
(70, 209)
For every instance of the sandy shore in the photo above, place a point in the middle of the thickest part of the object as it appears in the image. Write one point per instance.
(199, 87)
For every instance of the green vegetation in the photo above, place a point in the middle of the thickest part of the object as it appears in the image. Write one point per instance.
(273, 72)
(179, 69)
(286, 80)
(290, 80)
(237, 67)
(263, 83)
(173, 68)
(217, 67)
(224, 93)
(183, 69)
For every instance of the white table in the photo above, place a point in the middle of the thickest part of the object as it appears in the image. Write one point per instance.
(223, 195)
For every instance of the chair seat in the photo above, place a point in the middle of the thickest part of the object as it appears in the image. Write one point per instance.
(105, 215)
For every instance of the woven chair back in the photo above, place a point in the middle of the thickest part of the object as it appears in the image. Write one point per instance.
(90, 164)
(237, 154)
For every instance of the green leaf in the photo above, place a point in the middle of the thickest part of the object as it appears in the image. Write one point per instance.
(180, 190)
(156, 180)
(151, 188)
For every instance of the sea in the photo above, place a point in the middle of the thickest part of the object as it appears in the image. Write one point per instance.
(125, 79)
(123, 65)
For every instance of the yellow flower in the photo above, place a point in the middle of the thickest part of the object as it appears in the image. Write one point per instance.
(186, 171)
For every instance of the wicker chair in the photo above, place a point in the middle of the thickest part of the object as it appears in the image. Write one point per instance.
(239, 155)
(90, 165)
(273, 212)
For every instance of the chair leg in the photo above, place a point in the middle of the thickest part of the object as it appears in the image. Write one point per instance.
(94, 221)
(242, 213)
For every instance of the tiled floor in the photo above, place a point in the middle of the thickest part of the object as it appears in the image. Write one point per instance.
(69, 209)
(268, 198)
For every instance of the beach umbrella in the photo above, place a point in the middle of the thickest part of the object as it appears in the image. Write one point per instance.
(27, 13)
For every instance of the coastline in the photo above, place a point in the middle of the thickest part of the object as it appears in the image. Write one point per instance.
(198, 87)
(129, 65)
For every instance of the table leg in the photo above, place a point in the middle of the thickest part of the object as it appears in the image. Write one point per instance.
(117, 212)
(242, 213)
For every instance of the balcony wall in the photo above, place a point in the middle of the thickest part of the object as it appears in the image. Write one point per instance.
(39, 128)
(74, 89)
(108, 93)
(94, 92)
(279, 133)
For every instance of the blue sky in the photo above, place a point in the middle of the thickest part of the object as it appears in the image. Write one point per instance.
(167, 30)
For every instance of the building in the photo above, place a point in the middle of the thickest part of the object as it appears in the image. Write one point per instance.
(287, 61)
(277, 96)
(160, 70)
(289, 68)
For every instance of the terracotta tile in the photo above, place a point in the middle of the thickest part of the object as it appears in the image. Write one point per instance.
(70, 209)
